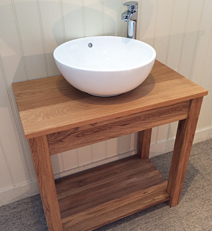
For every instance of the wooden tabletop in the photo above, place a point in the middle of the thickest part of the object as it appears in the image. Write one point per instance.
(51, 104)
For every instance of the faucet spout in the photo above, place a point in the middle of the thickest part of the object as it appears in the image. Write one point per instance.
(130, 16)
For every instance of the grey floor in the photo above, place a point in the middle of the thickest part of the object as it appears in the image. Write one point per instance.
(193, 213)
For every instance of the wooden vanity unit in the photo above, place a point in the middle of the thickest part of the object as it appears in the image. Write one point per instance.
(56, 117)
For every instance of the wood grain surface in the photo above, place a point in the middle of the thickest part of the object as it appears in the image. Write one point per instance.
(181, 153)
(100, 131)
(143, 144)
(50, 104)
(46, 183)
(96, 197)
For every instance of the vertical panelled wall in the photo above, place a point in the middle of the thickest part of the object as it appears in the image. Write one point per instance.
(179, 30)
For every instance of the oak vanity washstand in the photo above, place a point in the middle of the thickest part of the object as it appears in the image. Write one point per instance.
(56, 118)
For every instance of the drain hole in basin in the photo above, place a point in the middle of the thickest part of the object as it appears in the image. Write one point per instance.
(90, 45)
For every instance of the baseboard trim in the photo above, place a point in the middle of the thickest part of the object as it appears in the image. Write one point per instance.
(31, 188)
(18, 192)
(168, 145)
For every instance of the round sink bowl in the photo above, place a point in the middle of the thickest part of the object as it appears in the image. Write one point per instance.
(105, 65)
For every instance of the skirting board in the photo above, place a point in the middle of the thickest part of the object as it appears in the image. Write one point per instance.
(30, 188)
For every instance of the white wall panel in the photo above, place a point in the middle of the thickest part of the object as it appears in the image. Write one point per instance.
(10, 145)
(162, 38)
(99, 151)
(10, 47)
(147, 20)
(53, 31)
(180, 31)
(111, 147)
(201, 70)
(30, 33)
(124, 144)
(205, 120)
(93, 17)
(111, 20)
(5, 177)
(70, 159)
(191, 33)
(13, 67)
(57, 163)
(175, 46)
(85, 155)
(73, 19)
(202, 45)
(178, 27)
(162, 29)
(133, 141)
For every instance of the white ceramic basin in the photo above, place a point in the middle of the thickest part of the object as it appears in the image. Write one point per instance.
(105, 65)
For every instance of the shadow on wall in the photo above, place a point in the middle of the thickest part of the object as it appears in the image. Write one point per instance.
(147, 15)
(84, 21)
(81, 21)
(32, 46)
(76, 26)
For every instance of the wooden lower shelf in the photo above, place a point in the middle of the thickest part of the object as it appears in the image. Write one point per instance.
(96, 197)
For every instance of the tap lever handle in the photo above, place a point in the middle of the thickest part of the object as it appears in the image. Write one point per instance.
(132, 6)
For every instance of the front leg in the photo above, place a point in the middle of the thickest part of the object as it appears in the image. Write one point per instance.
(46, 183)
(182, 148)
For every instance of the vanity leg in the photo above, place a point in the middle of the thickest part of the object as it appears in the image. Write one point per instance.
(143, 146)
(182, 148)
(46, 183)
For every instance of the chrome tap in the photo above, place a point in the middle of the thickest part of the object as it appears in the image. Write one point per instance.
(130, 16)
